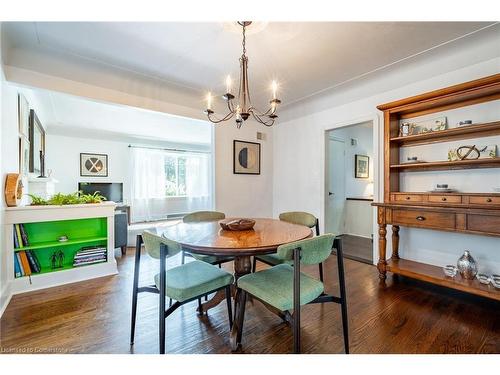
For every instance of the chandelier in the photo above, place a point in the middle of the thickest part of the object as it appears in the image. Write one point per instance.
(241, 107)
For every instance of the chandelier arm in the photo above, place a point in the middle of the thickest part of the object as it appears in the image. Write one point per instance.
(268, 123)
(215, 120)
(259, 113)
(230, 106)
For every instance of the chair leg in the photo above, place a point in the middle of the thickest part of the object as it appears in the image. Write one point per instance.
(124, 250)
(170, 302)
(135, 287)
(206, 297)
(161, 312)
(200, 307)
(183, 257)
(343, 297)
(296, 300)
(220, 265)
(229, 307)
(254, 264)
(321, 271)
(241, 316)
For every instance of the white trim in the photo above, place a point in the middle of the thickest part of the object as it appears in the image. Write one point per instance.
(4, 301)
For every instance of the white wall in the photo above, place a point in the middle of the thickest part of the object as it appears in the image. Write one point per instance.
(243, 195)
(299, 150)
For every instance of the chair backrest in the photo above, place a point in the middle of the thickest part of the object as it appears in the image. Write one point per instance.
(301, 218)
(313, 250)
(152, 244)
(199, 216)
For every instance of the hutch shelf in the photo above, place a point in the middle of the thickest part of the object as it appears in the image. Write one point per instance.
(475, 213)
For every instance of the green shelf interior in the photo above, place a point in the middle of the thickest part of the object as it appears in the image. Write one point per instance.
(43, 237)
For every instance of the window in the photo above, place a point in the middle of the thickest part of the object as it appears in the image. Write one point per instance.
(175, 176)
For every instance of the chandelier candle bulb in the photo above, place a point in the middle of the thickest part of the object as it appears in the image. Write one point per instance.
(209, 101)
(274, 86)
(228, 84)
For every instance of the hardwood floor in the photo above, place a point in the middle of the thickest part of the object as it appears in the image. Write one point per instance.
(402, 317)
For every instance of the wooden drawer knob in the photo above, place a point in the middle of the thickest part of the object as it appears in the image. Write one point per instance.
(420, 218)
(408, 198)
(443, 199)
(488, 200)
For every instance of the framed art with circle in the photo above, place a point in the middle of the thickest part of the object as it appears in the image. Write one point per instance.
(246, 157)
(93, 165)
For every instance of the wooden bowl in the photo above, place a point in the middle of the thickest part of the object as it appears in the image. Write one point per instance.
(237, 224)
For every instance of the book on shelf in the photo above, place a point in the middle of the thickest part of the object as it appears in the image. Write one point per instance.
(24, 235)
(25, 263)
(17, 267)
(16, 242)
(18, 235)
(18, 258)
(33, 261)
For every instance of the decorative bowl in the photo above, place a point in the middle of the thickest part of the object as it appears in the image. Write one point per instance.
(483, 278)
(450, 270)
(237, 224)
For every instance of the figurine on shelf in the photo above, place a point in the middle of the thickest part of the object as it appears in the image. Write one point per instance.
(57, 259)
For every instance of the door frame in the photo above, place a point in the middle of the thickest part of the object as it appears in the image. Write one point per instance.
(378, 180)
(327, 175)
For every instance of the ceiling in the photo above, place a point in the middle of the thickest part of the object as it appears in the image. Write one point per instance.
(304, 57)
(69, 115)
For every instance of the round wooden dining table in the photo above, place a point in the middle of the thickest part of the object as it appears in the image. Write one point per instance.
(210, 239)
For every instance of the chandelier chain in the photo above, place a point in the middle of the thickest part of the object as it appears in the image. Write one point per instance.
(244, 40)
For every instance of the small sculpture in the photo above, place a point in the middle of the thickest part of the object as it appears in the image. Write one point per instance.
(57, 259)
(467, 266)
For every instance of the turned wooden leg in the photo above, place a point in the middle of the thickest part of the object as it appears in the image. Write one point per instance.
(242, 266)
(395, 242)
(382, 244)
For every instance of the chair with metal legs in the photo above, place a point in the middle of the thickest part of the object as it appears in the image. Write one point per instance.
(286, 288)
(183, 284)
(295, 217)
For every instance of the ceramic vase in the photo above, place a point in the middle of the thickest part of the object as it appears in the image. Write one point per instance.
(467, 266)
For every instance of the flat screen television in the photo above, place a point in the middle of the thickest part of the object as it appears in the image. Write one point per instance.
(113, 191)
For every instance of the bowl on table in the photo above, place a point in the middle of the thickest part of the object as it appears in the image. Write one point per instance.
(237, 224)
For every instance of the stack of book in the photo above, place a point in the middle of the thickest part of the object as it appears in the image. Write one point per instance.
(20, 236)
(26, 263)
(90, 255)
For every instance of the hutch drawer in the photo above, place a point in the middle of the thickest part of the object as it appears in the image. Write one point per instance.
(423, 219)
(408, 197)
(483, 223)
(484, 200)
(445, 198)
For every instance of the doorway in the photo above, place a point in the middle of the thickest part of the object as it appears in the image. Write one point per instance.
(349, 188)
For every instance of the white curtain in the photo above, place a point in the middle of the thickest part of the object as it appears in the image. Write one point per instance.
(148, 189)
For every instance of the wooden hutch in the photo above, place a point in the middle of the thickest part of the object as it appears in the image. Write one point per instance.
(477, 213)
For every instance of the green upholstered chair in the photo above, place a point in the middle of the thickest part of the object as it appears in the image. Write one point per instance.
(295, 217)
(285, 287)
(199, 217)
(184, 283)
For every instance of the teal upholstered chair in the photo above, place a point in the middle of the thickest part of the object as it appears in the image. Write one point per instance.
(184, 283)
(295, 217)
(285, 287)
(199, 217)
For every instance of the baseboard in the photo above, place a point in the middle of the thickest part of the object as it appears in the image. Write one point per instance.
(5, 298)
(357, 235)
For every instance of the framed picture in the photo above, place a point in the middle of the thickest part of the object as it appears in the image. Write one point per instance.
(37, 142)
(23, 114)
(93, 165)
(24, 156)
(246, 157)
(361, 166)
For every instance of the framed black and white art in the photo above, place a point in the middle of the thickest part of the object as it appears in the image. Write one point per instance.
(361, 166)
(246, 157)
(93, 165)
